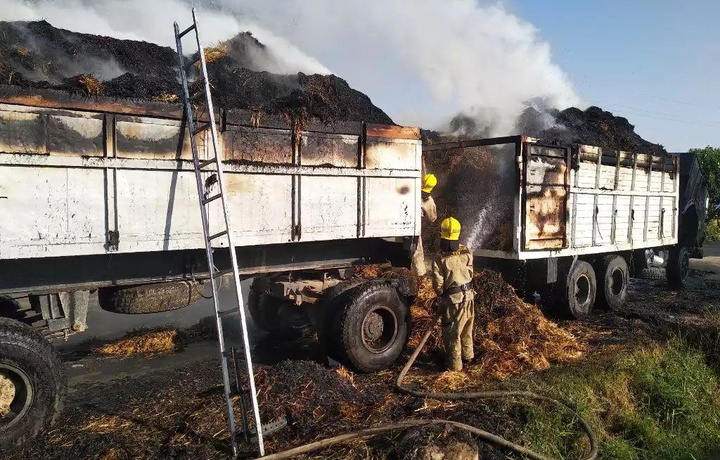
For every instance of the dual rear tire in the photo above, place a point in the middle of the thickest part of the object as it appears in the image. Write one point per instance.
(362, 324)
(581, 287)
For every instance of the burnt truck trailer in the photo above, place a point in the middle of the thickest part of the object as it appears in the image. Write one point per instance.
(101, 196)
(573, 221)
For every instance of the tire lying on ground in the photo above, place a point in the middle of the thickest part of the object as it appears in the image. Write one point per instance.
(371, 327)
(278, 317)
(613, 278)
(149, 298)
(32, 384)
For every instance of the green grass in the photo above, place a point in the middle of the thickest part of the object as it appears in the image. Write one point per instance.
(658, 403)
(712, 231)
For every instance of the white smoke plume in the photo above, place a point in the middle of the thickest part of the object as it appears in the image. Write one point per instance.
(151, 21)
(422, 61)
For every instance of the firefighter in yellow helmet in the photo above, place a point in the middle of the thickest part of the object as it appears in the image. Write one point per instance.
(429, 211)
(452, 274)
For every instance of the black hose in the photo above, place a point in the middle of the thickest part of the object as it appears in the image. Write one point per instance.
(409, 423)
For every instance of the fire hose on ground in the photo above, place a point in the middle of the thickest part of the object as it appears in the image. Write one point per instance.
(412, 423)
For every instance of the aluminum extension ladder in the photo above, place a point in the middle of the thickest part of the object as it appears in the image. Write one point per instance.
(201, 94)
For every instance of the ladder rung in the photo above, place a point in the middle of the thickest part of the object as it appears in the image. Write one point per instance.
(211, 199)
(225, 313)
(204, 163)
(217, 235)
(202, 128)
(186, 31)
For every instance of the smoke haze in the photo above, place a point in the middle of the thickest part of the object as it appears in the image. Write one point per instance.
(423, 61)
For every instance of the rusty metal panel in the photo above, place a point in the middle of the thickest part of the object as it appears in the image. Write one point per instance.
(546, 193)
(152, 138)
(55, 211)
(393, 132)
(392, 154)
(245, 145)
(21, 132)
(393, 207)
(76, 134)
(318, 149)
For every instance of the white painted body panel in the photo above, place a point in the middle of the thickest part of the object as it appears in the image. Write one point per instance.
(610, 207)
(67, 178)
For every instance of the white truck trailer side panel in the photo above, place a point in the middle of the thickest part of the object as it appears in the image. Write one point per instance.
(71, 178)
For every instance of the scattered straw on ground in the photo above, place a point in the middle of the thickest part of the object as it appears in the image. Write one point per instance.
(141, 342)
(511, 336)
(106, 424)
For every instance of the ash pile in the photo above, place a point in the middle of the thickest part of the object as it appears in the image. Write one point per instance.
(38, 55)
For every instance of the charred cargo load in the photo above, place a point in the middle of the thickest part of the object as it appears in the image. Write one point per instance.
(568, 221)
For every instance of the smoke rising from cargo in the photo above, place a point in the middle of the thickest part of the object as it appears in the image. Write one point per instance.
(425, 61)
(152, 21)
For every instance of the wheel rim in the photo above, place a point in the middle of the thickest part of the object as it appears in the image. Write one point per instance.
(617, 282)
(582, 291)
(379, 329)
(16, 394)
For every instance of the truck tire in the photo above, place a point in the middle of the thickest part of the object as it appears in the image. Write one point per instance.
(34, 383)
(678, 267)
(278, 317)
(613, 280)
(371, 327)
(575, 296)
(149, 298)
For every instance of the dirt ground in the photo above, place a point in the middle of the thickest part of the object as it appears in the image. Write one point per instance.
(171, 406)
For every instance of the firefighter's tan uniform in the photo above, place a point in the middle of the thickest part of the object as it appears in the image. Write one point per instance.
(429, 212)
(452, 274)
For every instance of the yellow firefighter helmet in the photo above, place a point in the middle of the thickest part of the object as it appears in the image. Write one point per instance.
(450, 229)
(429, 181)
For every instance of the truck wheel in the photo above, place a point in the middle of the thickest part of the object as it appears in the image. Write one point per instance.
(576, 297)
(149, 298)
(371, 327)
(32, 384)
(613, 280)
(678, 267)
(278, 317)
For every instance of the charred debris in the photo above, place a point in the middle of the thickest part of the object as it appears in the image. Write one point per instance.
(38, 55)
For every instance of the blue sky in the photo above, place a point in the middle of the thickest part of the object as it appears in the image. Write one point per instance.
(655, 62)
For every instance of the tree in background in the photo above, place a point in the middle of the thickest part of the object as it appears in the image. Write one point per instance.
(709, 159)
